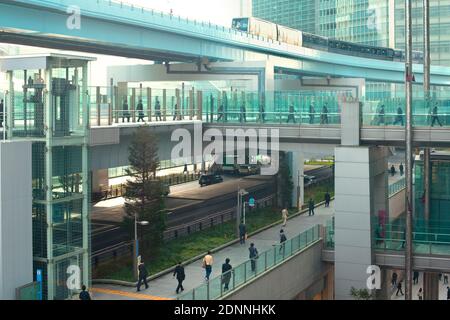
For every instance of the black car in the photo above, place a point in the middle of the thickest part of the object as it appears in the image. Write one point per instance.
(207, 179)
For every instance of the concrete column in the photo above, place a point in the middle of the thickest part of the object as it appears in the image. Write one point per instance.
(99, 180)
(384, 292)
(430, 286)
(359, 179)
(296, 165)
(16, 242)
(350, 123)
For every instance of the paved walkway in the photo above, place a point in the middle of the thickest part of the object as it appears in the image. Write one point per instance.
(164, 287)
(416, 287)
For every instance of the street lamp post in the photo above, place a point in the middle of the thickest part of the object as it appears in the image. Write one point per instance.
(136, 245)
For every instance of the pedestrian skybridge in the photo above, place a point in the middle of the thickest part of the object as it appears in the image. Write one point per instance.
(117, 28)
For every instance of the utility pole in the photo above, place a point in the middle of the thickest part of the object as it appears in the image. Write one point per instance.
(409, 162)
(427, 100)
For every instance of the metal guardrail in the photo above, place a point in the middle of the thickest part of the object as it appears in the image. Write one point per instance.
(250, 269)
(119, 250)
(397, 186)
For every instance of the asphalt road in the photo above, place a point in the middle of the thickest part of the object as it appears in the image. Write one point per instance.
(186, 202)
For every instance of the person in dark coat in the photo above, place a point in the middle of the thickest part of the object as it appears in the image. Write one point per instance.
(158, 110)
(399, 117)
(416, 277)
(176, 112)
(226, 273)
(179, 273)
(243, 116)
(140, 109)
(399, 289)
(324, 115)
(142, 276)
(282, 239)
(392, 170)
(2, 110)
(125, 112)
(253, 255)
(311, 206)
(394, 279)
(402, 169)
(84, 294)
(312, 112)
(291, 115)
(220, 113)
(448, 293)
(327, 199)
(434, 116)
(381, 114)
(242, 232)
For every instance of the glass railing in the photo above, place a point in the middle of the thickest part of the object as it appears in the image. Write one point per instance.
(397, 186)
(250, 269)
(329, 234)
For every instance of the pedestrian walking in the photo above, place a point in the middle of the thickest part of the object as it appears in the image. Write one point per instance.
(284, 216)
(381, 114)
(324, 115)
(253, 255)
(2, 110)
(283, 239)
(394, 280)
(445, 278)
(434, 116)
(176, 112)
(399, 117)
(312, 112)
(226, 273)
(158, 110)
(402, 169)
(420, 294)
(242, 232)
(142, 276)
(392, 170)
(399, 289)
(84, 294)
(220, 113)
(180, 275)
(243, 115)
(140, 109)
(263, 114)
(311, 207)
(207, 265)
(416, 277)
(327, 199)
(291, 115)
(125, 113)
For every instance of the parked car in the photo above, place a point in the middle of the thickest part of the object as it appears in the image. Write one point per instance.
(309, 180)
(207, 179)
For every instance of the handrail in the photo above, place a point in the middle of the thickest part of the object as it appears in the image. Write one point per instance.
(245, 272)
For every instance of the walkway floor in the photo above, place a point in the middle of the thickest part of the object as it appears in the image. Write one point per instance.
(416, 287)
(164, 287)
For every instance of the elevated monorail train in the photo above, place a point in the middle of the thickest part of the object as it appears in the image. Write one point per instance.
(294, 37)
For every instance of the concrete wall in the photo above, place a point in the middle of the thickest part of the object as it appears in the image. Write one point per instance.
(397, 204)
(361, 191)
(305, 271)
(16, 250)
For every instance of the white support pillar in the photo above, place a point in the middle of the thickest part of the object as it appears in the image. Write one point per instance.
(361, 191)
(297, 172)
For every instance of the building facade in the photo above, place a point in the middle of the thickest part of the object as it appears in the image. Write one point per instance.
(370, 22)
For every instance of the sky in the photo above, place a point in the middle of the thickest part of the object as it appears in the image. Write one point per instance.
(220, 12)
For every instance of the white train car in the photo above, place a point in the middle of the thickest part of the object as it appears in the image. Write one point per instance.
(289, 35)
(256, 27)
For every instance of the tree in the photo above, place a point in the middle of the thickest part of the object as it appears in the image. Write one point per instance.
(144, 193)
(285, 183)
(360, 294)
